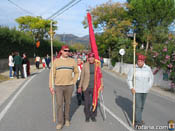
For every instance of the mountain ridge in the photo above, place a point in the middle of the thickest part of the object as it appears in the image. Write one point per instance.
(71, 39)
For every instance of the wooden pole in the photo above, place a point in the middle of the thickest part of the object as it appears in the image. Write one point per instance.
(53, 96)
(134, 63)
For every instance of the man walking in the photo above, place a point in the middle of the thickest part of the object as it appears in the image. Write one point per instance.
(64, 82)
(87, 85)
(144, 81)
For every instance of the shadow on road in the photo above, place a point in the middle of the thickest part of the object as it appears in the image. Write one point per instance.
(73, 106)
(126, 106)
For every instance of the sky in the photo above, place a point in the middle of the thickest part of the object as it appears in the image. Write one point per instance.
(70, 22)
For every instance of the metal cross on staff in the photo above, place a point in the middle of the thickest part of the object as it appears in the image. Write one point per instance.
(51, 33)
(134, 44)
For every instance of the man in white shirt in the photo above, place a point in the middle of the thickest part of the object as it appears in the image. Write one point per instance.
(144, 81)
(11, 65)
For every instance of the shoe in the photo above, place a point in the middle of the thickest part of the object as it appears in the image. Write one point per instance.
(93, 119)
(79, 103)
(59, 126)
(143, 123)
(136, 126)
(12, 77)
(87, 120)
(67, 123)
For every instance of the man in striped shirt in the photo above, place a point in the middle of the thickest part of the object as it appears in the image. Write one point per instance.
(144, 81)
(64, 81)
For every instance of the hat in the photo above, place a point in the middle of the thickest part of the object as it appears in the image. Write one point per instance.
(64, 47)
(140, 57)
(91, 55)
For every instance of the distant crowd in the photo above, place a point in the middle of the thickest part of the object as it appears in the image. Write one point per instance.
(19, 65)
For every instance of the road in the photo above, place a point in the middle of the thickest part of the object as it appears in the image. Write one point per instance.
(30, 108)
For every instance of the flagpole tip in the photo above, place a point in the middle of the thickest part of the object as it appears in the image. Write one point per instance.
(88, 10)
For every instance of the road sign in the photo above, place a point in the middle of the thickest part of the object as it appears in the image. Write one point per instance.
(122, 52)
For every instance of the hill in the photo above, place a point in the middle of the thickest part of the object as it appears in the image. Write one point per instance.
(71, 39)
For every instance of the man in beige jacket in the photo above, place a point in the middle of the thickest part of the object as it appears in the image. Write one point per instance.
(87, 85)
(64, 82)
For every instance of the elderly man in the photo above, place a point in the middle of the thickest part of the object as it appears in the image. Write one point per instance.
(64, 82)
(144, 81)
(87, 84)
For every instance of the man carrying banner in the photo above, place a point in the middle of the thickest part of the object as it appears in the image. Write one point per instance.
(87, 85)
(144, 81)
(64, 82)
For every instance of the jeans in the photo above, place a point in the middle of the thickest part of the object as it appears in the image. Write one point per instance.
(140, 101)
(11, 69)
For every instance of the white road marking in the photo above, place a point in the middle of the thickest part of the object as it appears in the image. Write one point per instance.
(4, 111)
(117, 118)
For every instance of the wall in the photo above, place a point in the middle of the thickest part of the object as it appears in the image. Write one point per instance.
(124, 69)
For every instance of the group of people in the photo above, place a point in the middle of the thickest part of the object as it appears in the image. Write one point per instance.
(45, 62)
(83, 78)
(18, 64)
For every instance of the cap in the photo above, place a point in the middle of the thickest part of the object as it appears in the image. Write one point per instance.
(91, 55)
(64, 47)
(140, 57)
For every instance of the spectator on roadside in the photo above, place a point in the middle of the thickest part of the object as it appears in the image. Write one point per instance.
(102, 61)
(28, 68)
(37, 61)
(44, 63)
(24, 64)
(11, 65)
(47, 59)
(14, 70)
(18, 65)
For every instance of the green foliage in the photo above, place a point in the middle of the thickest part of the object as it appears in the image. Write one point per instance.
(35, 26)
(13, 40)
(151, 19)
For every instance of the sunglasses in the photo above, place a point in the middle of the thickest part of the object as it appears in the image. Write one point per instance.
(66, 50)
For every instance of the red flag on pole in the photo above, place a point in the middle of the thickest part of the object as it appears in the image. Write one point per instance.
(98, 74)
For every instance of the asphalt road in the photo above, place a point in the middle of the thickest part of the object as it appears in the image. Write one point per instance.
(32, 108)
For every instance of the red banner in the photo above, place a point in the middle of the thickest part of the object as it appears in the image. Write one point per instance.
(98, 74)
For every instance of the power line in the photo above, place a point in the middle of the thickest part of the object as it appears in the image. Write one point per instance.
(19, 7)
(61, 12)
(64, 7)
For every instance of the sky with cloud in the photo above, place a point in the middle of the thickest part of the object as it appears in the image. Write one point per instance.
(70, 22)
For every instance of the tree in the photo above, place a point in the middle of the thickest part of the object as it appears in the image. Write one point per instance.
(112, 21)
(35, 26)
(151, 19)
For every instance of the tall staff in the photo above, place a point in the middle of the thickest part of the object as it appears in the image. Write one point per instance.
(134, 54)
(53, 95)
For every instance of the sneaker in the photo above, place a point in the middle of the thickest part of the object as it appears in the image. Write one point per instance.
(59, 126)
(67, 123)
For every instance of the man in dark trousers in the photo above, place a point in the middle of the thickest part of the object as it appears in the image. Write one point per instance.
(87, 85)
(47, 59)
(18, 65)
